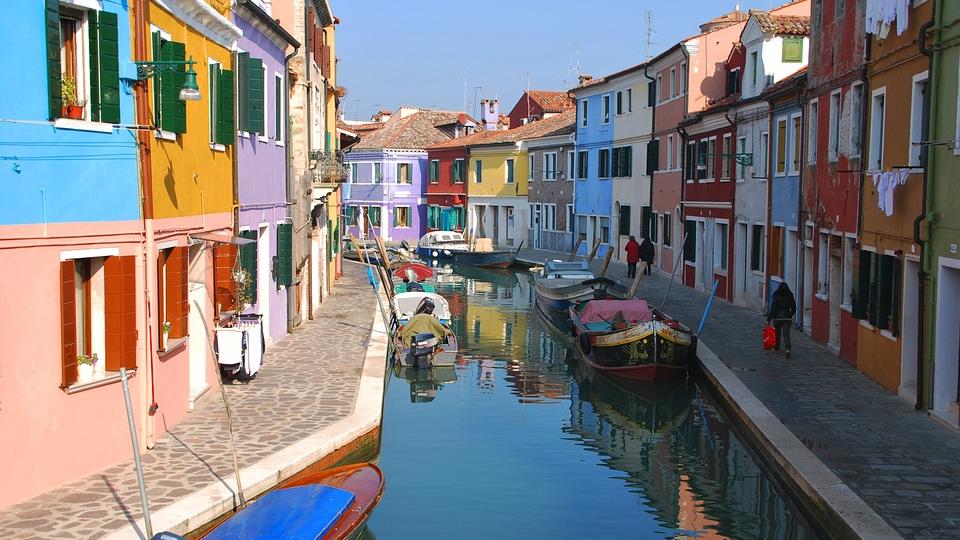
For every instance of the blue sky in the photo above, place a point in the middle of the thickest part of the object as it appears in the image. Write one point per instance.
(418, 52)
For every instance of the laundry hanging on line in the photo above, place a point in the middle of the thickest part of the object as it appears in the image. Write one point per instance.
(880, 14)
(886, 182)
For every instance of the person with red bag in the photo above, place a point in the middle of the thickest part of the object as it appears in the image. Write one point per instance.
(783, 306)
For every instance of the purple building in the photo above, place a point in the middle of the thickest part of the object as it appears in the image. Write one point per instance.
(261, 96)
(388, 173)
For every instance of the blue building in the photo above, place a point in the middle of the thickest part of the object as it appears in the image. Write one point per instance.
(593, 189)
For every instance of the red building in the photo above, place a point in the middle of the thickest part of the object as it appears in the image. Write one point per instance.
(831, 187)
(539, 104)
(446, 191)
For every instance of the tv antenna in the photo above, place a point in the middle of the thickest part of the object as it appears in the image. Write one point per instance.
(575, 68)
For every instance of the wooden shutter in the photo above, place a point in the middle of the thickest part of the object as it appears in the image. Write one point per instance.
(55, 99)
(248, 262)
(174, 111)
(792, 49)
(161, 294)
(255, 96)
(284, 254)
(653, 157)
(862, 286)
(156, 55)
(626, 167)
(175, 297)
(243, 82)
(104, 67)
(690, 244)
(224, 288)
(645, 221)
(651, 93)
(226, 129)
(278, 109)
(93, 27)
(120, 307)
(68, 324)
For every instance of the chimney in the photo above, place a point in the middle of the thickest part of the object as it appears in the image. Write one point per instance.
(490, 111)
(585, 78)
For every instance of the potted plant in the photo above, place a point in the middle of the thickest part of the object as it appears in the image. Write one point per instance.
(85, 367)
(99, 368)
(72, 107)
(166, 333)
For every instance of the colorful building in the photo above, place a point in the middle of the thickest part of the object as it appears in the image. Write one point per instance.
(593, 194)
(446, 191)
(831, 186)
(887, 289)
(536, 105)
(550, 165)
(939, 318)
(261, 165)
(388, 173)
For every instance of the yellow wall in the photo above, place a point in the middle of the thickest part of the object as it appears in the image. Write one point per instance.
(331, 104)
(495, 172)
(190, 178)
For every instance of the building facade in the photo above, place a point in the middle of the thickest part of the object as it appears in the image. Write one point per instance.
(536, 105)
(446, 191)
(551, 162)
(593, 194)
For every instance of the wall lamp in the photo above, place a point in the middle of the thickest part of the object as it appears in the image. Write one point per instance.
(189, 92)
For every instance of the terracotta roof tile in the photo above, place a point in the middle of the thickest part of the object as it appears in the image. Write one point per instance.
(790, 25)
(561, 124)
(552, 102)
(786, 82)
(415, 131)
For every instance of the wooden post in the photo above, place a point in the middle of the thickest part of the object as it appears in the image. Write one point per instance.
(576, 248)
(593, 252)
(636, 283)
(606, 262)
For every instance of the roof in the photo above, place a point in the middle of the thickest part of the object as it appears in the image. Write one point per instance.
(551, 101)
(417, 130)
(789, 25)
(610, 77)
(561, 124)
(786, 83)
(271, 23)
(727, 19)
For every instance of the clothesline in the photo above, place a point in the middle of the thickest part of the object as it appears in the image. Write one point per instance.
(880, 14)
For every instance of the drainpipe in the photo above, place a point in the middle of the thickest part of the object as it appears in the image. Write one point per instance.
(298, 200)
(653, 131)
(291, 189)
(801, 225)
(143, 117)
(926, 202)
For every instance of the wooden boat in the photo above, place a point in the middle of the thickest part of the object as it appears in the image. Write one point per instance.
(406, 304)
(631, 340)
(560, 285)
(441, 245)
(426, 351)
(329, 505)
(486, 259)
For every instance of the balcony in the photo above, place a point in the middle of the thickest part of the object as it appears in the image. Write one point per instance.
(327, 167)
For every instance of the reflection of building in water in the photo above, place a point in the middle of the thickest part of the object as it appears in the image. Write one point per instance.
(541, 372)
(491, 329)
(693, 470)
(486, 374)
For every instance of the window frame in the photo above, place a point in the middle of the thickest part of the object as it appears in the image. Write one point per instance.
(836, 113)
(813, 130)
(510, 171)
(795, 138)
(605, 109)
(758, 248)
(550, 174)
(478, 171)
(407, 214)
(571, 165)
(670, 163)
(916, 153)
(877, 139)
(721, 249)
(603, 165)
(584, 112)
(280, 124)
(459, 178)
(629, 100)
(434, 171)
(765, 152)
(856, 127)
(213, 87)
(583, 164)
(777, 171)
(726, 164)
(741, 149)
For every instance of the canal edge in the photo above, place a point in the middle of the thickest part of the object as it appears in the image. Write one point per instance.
(217, 499)
(842, 511)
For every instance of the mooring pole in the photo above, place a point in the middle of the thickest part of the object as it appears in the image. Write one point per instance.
(144, 503)
(576, 248)
(706, 310)
(593, 252)
(606, 262)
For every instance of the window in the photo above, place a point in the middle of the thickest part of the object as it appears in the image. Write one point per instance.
(741, 149)
(353, 173)
(720, 246)
(692, 163)
(401, 217)
(761, 165)
(629, 99)
(570, 216)
(434, 171)
(220, 95)
(509, 171)
(849, 254)
(754, 71)
(702, 159)
(813, 127)
(619, 103)
(822, 280)
(795, 139)
(433, 217)
(711, 158)
(733, 81)
(834, 141)
(605, 229)
(530, 166)
(659, 88)
(550, 217)
(878, 298)
(606, 109)
(757, 248)
(856, 113)
(667, 221)
(652, 93)
(459, 170)
(792, 49)
(603, 164)
(690, 244)
(250, 74)
(172, 286)
(624, 223)
(353, 215)
(877, 120)
(582, 162)
(726, 159)
(669, 152)
(535, 216)
(781, 147)
(571, 165)
(839, 9)
(622, 162)
(673, 82)
(550, 166)
(583, 113)
(919, 120)
(478, 171)
(683, 78)
(278, 91)
(377, 173)
(403, 173)
(373, 214)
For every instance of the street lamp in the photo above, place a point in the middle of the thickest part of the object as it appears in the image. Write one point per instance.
(190, 91)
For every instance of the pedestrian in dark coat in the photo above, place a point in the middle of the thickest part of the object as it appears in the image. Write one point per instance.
(633, 256)
(783, 306)
(647, 252)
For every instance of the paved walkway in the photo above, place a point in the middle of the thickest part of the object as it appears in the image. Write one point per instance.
(898, 460)
(309, 380)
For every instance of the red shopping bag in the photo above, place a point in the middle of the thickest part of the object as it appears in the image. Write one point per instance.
(769, 337)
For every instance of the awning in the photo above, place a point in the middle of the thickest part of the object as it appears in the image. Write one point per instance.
(221, 238)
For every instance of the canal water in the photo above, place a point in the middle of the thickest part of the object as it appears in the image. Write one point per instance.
(521, 440)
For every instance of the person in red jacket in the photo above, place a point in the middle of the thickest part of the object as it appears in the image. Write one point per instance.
(633, 256)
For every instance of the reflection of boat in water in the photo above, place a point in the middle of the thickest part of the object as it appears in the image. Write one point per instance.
(493, 276)
(487, 259)
(560, 285)
(424, 383)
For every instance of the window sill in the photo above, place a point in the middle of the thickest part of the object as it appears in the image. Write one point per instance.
(263, 139)
(758, 273)
(82, 125)
(889, 335)
(821, 296)
(279, 143)
(846, 307)
(727, 180)
(173, 345)
(243, 134)
(217, 147)
(166, 135)
(109, 377)
(865, 324)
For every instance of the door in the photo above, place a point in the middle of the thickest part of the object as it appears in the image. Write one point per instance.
(510, 223)
(740, 268)
(807, 286)
(537, 226)
(199, 346)
(909, 333)
(263, 278)
(836, 292)
(947, 348)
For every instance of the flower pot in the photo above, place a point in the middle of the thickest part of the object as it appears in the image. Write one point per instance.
(84, 373)
(100, 368)
(166, 336)
(73, 112)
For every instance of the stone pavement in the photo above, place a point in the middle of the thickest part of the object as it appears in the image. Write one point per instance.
(901, 462)
(308, 381)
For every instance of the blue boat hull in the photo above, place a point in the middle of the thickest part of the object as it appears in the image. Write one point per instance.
(435, 254)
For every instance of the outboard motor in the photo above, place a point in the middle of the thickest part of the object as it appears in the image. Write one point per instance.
(422, 347)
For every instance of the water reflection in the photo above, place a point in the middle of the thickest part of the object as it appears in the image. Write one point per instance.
(424, 383)
(591, 459)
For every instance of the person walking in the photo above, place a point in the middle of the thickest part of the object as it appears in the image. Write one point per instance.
(633, 257)
(783, 306)
(646, 254)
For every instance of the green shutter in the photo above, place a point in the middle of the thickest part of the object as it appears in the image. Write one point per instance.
(862, 286)
(792, 49)
(243, 82)
(104, 67)
(336, 238)
(226, 131)
(248, 262)
(278, 109)
(155, 81)
(895, 304)
(173, 111)
(626, 167)
(690, 244)
(255, 96)
(284, 254)
(329, 240)
(55, 102)
(653, 157)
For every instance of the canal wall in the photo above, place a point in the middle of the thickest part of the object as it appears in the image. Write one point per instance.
(839, 511)
(348, 435)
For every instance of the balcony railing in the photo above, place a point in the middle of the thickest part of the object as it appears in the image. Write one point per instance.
(328, 166)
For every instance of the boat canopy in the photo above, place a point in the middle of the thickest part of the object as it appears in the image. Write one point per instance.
(406, 304)
(297, 512)
(569, 270)
(441, 238)
(634, 311)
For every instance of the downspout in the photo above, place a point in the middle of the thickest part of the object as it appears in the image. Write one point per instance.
(298, 200)
(926, 202)
(653, 131)
(769, 221)
(802, 96)
(682, 136)
(291, 189)
(143, 118)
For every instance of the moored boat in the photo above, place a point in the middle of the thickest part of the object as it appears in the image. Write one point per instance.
(631, 340)
(560, 285)
(441, 245)
(423, 338)
(487, 259)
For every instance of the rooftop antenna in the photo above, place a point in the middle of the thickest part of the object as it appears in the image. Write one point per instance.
(476, 101)
(650, 34)
(527, 94)
(464, 93)
(575, 69)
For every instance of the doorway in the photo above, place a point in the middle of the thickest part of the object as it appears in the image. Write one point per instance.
(909, 332)
(835, 271)
(947, 347)
(740, 267)
(509, 224)
(199, 348)
(807, 286)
